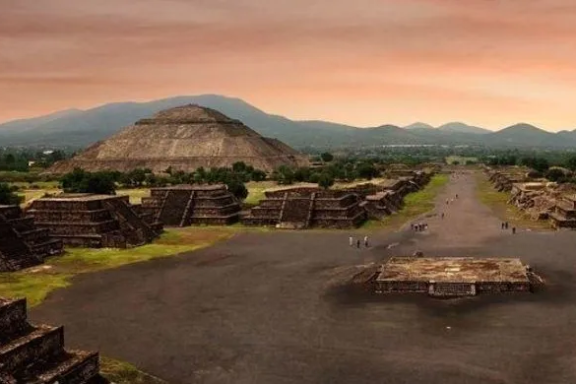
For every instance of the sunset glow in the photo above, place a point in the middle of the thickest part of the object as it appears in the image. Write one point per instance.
(485, 62)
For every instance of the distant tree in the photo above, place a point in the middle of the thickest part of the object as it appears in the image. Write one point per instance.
(327, 157)
(284, 175)
(325, 180)
(237, 188)
(367, 171)
(555, 174)
(571, 163)
(7, 195)
(239, 167)
(258, 175)
(80, 181)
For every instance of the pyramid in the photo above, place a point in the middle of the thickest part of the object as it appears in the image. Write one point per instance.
(184, 138)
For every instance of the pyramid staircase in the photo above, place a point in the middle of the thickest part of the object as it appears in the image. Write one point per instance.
(35, 354)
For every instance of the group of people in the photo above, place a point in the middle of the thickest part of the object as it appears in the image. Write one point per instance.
(419, 227)
(505, 225)
(353, 241)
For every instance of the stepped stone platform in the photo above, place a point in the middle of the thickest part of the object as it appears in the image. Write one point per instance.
(22, 244)
(97, 221)
(184, 205)
(35, 354)
(298, 208)
(564, 213)
(452, 277)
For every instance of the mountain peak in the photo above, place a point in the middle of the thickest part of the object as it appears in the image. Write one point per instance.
(458, 127)
(419, 125)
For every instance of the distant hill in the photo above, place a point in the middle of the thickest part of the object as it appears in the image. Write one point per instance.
(77, 128)
(463, 128)
(419, 125)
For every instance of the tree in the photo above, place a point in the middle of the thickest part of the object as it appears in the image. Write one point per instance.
(80, 181)
(367, 171)
(7, 196)
(571, 163)
(555, 174)
(327, 157)
(325, 180)
(258, 175)
(237, 188)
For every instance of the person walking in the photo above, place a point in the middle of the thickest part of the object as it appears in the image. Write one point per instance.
(366, 241)
(506, 225)
(503, 225)
(358, 243)
(442, 216)
(513, 230)
(351, 241)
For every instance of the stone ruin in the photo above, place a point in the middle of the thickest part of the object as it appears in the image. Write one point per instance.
(22, 244)
(97, 221)
(537, 199)
(505, 179)
(453, 276)
(184, 205)
(35, 353)
(308, 207)
(564, 213)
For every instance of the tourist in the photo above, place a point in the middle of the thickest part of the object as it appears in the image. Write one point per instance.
(366, 241)
(442, 216)
(513, 230)
(447, 201)
(358, 243)
(456, 196)
(412, 226)
(506, 225)
(503, 225)
(351, 240)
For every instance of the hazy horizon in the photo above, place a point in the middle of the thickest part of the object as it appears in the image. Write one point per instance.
(486, 63)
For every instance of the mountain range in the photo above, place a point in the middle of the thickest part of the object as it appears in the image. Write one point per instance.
(79, 128)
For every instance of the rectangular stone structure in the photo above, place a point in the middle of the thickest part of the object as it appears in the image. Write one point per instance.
(97, 221)
(452, 276)
(184, 205)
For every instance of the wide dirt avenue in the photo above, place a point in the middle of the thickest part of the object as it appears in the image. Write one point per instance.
(267, 308)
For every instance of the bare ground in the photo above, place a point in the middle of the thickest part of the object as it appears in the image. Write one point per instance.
(269, 308)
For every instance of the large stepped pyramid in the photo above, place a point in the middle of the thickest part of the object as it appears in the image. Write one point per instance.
(183, 138)
(22, 244)
(35, 354)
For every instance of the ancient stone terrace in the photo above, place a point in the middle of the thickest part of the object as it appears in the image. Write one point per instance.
(35, 354)
(452, 277)
(94, 220)
(308, 207)
(564, 214)
(184, 205)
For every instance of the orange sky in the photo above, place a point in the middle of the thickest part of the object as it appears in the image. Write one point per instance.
(367, 62)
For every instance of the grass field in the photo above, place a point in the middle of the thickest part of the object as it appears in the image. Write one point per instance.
(36, 283)
(123, 373)
(415, 204)
(498, 202)
(460, 160)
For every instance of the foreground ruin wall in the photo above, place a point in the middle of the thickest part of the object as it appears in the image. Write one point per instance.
(96, 221)
(185, 205)
(36, 354)
(22, 244)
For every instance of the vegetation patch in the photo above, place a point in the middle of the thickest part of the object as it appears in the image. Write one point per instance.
(498, 203)
(123, 373)
(36, 283)
(415, 204)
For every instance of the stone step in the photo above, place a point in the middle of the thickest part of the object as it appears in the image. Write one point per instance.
(73, 367)
(48, 248)
(42, 344)
(13, 319)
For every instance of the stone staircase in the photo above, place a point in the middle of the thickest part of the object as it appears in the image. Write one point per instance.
(15, 254)
(36, 355)
(136, 230)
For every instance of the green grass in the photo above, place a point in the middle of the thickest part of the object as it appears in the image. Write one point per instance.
(135, 194)
(36, 283)
(415, 204)
(498, 203)
(123, 373)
